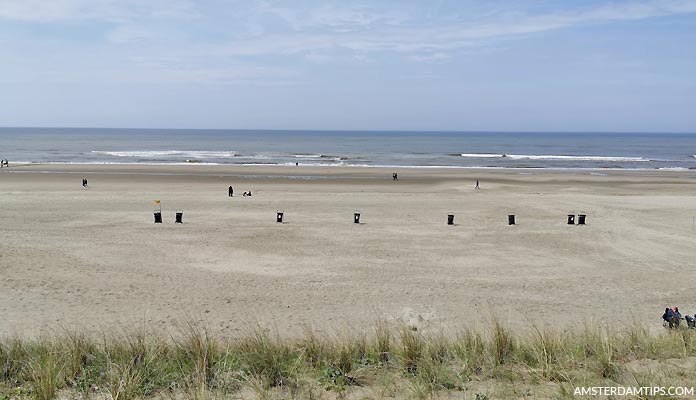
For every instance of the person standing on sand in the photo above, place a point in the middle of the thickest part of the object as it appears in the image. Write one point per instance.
(230, 192)
(477, 185)
(395, 176)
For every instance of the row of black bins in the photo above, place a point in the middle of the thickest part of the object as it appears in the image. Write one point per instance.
(179, 217)
(581, 219)
(356, 218)
(279, 217)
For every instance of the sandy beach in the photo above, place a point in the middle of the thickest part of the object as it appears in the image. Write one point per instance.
(94, 259)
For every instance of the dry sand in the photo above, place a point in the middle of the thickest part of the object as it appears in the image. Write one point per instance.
(94, 259)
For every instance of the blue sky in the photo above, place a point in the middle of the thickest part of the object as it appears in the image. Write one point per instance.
(546, 65)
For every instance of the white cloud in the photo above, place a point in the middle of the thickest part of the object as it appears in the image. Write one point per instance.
(338, 18)
(130, 33)
(38, 10)
(429, 58)
(319, 34)
(108, 10)
(431, 39)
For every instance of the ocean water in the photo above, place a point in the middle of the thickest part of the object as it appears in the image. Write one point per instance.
(336, 148)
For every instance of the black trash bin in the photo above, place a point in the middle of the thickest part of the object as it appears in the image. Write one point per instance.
(571, 219)
(450, 219)
(279, 217)
(158, 217)
(511, 219)
(356, 217)
(179, 217)
(581, 219)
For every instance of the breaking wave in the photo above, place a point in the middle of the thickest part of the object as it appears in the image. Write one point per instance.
(555, 157)
(168, 153)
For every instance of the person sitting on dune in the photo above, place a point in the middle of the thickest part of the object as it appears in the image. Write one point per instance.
(672, 317)
(667, 315)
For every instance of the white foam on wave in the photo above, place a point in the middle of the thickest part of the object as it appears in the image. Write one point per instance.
(307, 155)
(125, 163)
(169, 153)
(482, 155)
(556, 157)
(322, 157)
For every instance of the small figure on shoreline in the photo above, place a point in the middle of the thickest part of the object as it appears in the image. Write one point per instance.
(230, 192)
(84, 183)
(395, 176)
(5, 163)
(477, 185)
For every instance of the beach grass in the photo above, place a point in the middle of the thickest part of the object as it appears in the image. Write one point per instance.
(390, 360)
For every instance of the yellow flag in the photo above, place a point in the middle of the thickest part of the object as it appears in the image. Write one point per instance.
(157, 201)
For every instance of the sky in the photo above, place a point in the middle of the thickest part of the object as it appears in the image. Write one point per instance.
(461, 65)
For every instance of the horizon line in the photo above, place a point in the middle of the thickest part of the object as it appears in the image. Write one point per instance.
(354, 130)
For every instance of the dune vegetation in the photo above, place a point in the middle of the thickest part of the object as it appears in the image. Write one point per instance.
(387, 361)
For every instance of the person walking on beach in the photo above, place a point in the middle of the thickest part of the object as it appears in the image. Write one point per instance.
(230, 192)
(477, 185)
(395, 176)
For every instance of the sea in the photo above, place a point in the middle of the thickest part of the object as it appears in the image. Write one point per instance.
(553, 150)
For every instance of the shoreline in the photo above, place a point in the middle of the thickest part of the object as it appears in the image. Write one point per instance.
(58, 165)
(273, 170)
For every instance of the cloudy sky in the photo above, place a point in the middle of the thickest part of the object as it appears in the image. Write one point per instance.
(544, 65)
